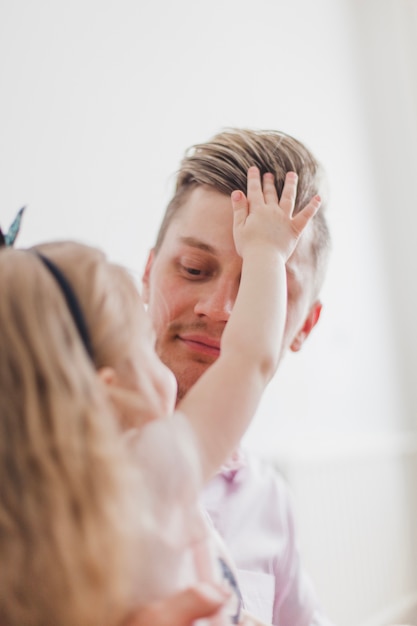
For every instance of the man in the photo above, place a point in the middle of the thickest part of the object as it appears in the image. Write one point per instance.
(190, 284)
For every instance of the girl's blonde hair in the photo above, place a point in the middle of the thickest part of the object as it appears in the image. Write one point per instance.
(66, 486)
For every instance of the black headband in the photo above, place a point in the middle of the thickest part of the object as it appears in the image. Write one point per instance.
(72, 303)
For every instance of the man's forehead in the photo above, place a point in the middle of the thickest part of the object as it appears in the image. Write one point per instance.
(194, 242)
(201, 214)
(203, 207)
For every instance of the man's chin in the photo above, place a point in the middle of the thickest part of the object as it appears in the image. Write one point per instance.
(187, 378)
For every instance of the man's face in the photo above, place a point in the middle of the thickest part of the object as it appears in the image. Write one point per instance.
(191, 285)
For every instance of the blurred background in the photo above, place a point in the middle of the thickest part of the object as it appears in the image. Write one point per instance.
(98, 102)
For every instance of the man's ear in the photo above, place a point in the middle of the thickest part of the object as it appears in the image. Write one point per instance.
(146, 277)
(107, 375)
(309, 323)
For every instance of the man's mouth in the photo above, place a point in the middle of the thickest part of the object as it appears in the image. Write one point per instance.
(201, 344)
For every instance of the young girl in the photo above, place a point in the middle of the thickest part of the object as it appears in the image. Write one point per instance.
(76, 547)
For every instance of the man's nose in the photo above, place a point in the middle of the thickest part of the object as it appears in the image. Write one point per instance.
(216, 300)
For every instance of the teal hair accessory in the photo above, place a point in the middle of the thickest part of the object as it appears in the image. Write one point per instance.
(9, 238)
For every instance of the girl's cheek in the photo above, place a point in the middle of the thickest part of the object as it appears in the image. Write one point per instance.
(169, 390)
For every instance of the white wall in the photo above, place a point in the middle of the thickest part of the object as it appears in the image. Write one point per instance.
(387, 62)
(99, 99)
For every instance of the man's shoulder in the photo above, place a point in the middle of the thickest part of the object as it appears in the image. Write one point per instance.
(262, 467)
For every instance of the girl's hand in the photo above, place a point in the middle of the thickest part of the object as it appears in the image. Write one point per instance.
(262, 219)
(182, 608)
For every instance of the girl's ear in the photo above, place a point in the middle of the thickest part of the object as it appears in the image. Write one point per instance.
(107, 375)
(130, 409)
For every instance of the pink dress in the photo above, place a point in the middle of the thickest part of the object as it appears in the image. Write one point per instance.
(178, 544)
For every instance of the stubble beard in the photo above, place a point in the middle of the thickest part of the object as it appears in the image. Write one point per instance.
(186, 371)
(188, 375)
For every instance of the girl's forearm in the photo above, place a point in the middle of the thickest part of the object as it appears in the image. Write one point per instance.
(255, 328)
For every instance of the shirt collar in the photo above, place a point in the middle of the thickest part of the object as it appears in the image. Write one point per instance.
(236, 462)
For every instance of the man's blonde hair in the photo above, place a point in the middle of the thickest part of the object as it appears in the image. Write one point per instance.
(66, 485)
(222, 163)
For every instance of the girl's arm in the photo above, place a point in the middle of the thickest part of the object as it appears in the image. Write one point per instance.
(222, 402)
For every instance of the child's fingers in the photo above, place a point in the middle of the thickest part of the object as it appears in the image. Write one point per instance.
(269, 189)
(302, 218)
(289, 193)
(240, 206)
(255, 193)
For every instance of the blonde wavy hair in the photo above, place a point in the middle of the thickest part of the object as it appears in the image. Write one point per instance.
(66, 489)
